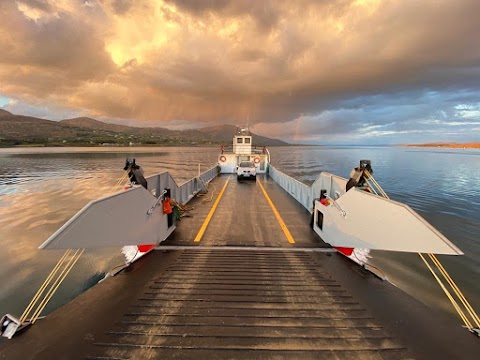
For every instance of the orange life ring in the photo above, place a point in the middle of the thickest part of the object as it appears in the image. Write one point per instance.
(223, 158)
(256, 160)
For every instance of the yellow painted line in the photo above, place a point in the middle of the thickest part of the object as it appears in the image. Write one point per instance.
(210, 214)
(277, 215)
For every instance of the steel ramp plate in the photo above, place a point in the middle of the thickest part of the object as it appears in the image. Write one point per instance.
(243, 248)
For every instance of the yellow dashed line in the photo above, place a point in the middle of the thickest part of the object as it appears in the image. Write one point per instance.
(210, 214)
(277, 215)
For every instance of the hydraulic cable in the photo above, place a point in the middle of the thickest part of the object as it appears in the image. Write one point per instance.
(44, 286)
(379, 188)
(371, 187)
(119, 182)
(447, 293)
(456, 290)
(66, 270)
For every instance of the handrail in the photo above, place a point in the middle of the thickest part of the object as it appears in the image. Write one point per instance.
(298, 190)
(184, 192)
(160, 198)
(255, 148)
(343, 212)
(304, 193)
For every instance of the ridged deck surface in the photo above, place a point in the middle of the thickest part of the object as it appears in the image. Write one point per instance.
(244, 292)
(243, 305)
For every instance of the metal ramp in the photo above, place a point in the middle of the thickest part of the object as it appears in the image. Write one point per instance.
(254, 304)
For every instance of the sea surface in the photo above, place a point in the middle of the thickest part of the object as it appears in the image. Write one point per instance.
(41, 188)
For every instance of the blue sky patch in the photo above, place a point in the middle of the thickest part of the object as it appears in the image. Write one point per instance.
(4, 101)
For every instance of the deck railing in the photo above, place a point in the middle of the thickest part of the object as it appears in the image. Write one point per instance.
(254, 149)
(181, 193)
(298, 190)
(304, 194)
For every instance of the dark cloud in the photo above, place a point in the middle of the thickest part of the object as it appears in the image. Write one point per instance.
(266, 13)
(388, 119)
(200, 7)
(122, 6)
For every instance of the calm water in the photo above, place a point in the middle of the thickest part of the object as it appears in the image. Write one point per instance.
(42, 188)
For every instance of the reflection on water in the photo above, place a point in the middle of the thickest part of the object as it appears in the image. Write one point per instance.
(42, 188)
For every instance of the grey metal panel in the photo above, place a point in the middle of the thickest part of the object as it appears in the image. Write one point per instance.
(368, 218)
(184, 192)
(335, 185)
(304, 194)
(116, 220)
(298, 190)
(123, 219)
(361, 219)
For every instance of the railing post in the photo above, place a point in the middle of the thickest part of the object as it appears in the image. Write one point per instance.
(157, 187)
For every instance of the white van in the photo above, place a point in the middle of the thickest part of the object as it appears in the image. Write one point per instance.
(246, 169)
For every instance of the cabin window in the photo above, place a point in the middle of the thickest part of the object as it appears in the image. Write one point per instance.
(239, 140)
(320, 220)
(247, 140)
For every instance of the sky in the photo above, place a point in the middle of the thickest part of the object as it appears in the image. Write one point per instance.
(314, 72)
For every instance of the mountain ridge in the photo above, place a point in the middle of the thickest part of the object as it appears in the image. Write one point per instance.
(87, 122)
(4, 113)
(17, 130)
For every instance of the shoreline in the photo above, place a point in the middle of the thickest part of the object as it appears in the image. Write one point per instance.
(446, 145)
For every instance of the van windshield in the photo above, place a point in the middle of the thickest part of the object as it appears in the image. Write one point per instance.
(246, 164)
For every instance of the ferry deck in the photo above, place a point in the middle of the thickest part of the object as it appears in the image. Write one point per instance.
(258, 284)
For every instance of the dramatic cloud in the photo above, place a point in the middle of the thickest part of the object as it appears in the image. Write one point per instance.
(314, 71)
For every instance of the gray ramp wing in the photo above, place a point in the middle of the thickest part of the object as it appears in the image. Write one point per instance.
(116, 220)
(372, 222)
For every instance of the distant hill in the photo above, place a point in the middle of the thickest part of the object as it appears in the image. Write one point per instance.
(86, 122)
(4, 113)
(25, 130)
(89, 123)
